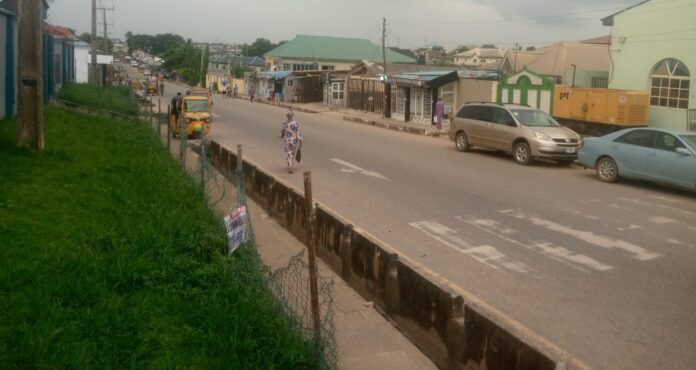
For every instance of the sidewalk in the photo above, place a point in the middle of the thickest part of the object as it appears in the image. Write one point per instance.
(366, 118)
(366, 340)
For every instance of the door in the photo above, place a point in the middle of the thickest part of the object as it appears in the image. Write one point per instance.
(532, 98)
(666, 165)
(481, 126)
(630, 151)
(502, 130)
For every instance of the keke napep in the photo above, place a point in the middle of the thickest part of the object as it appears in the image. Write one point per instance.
(195, 113)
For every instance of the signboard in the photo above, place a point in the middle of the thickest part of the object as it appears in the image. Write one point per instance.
(235, 222)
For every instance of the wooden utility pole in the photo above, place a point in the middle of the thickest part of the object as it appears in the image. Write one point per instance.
(93, 71)
(312, 255)
(384, 47)
(387, 83)
(106, 32)
(30, 130)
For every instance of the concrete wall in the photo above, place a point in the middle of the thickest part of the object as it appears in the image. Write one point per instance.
(3, 64)
(81, 64)
(475, 90)
(634, 55)
(450, 326)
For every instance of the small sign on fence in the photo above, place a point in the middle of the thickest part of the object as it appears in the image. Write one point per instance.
(236, 228)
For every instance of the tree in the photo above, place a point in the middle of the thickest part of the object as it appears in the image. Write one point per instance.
(157, 44)
(531, 48)
(259, 47)
(238, 71)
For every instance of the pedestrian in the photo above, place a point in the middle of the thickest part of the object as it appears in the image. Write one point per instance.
(269, 94)
(251, 95)
(292, 140)
(439, 112)
(234, 89)
(176, 107)
(161, 88)
(228, 92)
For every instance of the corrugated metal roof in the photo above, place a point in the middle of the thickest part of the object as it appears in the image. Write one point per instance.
(427, 79)
(335, 48)
(278, 75)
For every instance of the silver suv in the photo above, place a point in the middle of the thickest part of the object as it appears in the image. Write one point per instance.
(525, 132)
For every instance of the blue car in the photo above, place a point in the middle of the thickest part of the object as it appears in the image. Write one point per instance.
(658, 155)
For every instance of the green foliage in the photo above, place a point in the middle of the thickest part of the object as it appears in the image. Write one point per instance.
(186, 59)
(238, 71)
(157, 44)
(116, 99)
(260, 47)
(111, 260)
(87, 37)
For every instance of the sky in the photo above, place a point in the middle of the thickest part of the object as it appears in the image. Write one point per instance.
(410, 23)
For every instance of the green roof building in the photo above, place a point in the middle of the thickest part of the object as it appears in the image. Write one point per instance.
(328, 53)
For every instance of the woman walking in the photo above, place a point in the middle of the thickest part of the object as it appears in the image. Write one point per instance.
(292, 140)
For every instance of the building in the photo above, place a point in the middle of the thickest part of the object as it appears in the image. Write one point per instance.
(311, 53)
(60, 45)
(578, 64)
(8, 63)
(653, 50)
(477, 57)
(220, 71)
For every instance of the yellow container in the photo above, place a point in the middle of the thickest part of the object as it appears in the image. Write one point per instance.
(604, 106)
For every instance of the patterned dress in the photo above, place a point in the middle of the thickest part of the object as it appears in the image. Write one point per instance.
(291, 140)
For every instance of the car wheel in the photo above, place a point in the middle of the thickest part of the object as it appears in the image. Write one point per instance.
(523, 153)
(566, 162)
(461, 141)
(607, 170)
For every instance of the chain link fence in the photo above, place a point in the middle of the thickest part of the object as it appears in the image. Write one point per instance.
(289, 285)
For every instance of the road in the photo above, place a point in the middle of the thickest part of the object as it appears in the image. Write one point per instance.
(605, 271)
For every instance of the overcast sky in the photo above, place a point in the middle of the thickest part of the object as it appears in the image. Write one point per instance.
(410, 23)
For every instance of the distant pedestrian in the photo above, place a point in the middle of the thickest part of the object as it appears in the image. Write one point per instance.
(269, 94)
(161, 88)
(176, 106)
(235, 90)
(439, 113)
(292, 140)
(251, 95)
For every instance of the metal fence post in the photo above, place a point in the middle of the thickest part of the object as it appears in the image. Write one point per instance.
(183, 138)
(239, 176)
(203, 162)
(312, 255)
(159, 119)
(169, 130)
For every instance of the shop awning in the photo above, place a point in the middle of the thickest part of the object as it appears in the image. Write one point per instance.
(425, 79)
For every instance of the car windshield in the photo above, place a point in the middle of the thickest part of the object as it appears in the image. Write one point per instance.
(196, 105)
(690, 140)
(534, 117)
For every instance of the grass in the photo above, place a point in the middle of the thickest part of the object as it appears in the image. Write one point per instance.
(116, 99)
(109, 258)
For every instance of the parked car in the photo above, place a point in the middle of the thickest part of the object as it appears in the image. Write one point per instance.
(658, 155)
(526, 132)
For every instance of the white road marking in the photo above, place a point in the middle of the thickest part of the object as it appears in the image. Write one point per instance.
(560, 254)
(638, 252)
(658, 205)
(485, 254)
(661, 220)
(355, 169)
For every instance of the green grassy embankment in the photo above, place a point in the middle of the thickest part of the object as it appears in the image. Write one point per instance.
(116, 99)
(110, 258)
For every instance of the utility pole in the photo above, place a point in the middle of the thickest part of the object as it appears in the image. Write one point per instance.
(387, 83)
(106, 32)
(203, 78)
(93, 71)
(384, 48)
(514, 68)
(30, 130)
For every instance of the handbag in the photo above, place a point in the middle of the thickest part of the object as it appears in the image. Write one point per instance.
(298, 153)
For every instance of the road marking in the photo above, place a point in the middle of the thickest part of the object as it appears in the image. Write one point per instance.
(485, 254)
(661, 220)
(663, 206)
(216, 115)
(355, 169)
(638, 252)
(557, 253)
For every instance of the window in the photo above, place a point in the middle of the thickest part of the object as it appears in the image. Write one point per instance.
(638, 137)
(304, 67)
(502, 117)
(448, 95)
(337, 90)
(669, 84)
(327, 68)
(484, 113)
(534, 117)
(466, 112)
(287, 67)
(289, 83)
(665, 141)
(690, 140)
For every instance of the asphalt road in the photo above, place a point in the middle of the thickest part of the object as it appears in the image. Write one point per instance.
(605, 271)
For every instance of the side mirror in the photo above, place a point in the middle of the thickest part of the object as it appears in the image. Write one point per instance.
(683, 151)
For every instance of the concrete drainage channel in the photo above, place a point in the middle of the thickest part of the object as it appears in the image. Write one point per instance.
(452, 327)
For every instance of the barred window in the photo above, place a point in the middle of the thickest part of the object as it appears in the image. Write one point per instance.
(669, 84)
